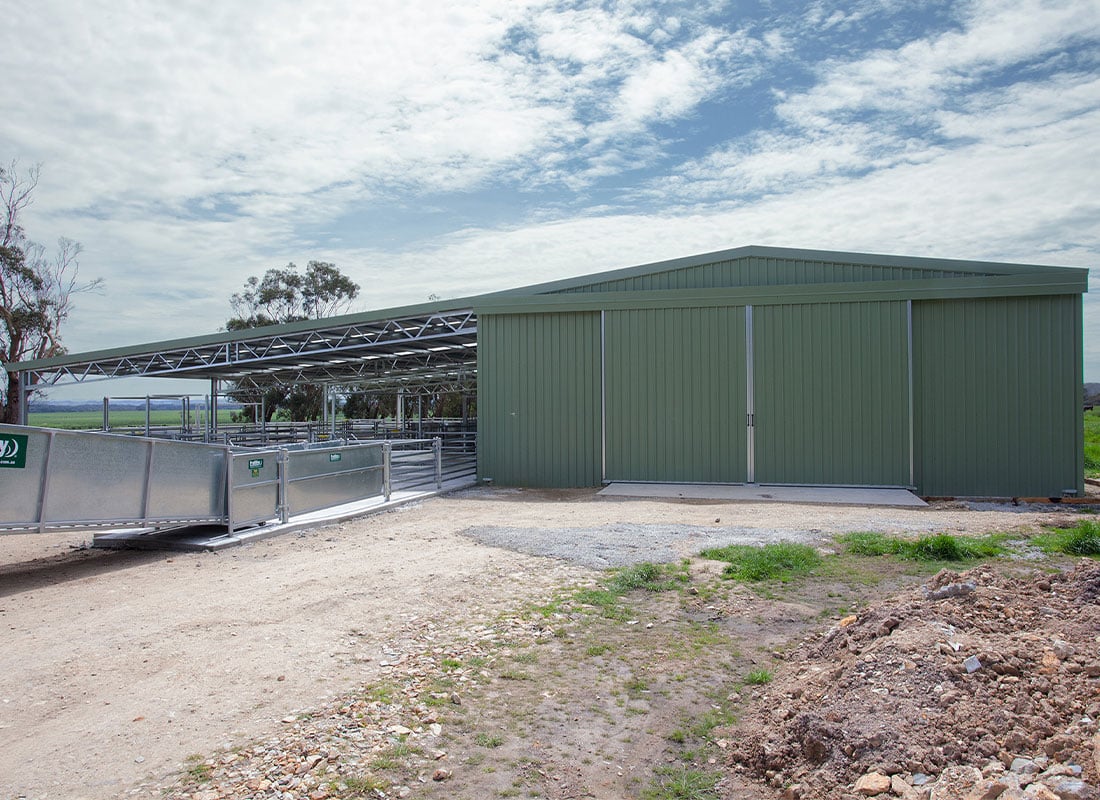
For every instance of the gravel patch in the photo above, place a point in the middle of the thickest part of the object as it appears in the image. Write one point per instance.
(621, 545)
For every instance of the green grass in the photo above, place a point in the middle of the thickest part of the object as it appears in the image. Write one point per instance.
(128, 418)
(487, 740)
(197, 770)
(758, 677)
(870, 543)
(1081, 540)
(682, 783)
(934, 547)
(366, 786)
(605, 598)
(652, 577)
(1092, 444)
(780, 562)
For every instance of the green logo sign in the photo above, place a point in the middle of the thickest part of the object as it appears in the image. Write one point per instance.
(255, 463)
(13, 451)
(334, 456)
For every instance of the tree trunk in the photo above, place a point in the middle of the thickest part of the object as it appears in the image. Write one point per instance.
(11, 407)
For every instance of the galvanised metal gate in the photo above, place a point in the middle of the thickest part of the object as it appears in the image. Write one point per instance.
(57, 480)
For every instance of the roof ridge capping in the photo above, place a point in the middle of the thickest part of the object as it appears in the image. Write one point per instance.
(762, 251)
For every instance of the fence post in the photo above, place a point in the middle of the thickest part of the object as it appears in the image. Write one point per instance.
(44, 489)
(282, 461)
(386, 452)
(229, 489)
(437, 446)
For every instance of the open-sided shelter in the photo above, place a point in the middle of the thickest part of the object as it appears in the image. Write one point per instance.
(753, 365)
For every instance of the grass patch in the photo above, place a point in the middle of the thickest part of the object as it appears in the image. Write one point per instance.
(716, 717)
(635, 686)
(365, 786)
(651, 577)
(597, 649)
(1081, 540)
(120, 418)
(1092, 444)
(199, 772)
(870, 543)
(682, 783)
(934, 547)
(781, 561)
(604, 600)
(487, 740)
(381, 693)
(758, 677)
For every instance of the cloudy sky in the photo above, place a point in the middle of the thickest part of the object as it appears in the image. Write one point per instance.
(449, 149)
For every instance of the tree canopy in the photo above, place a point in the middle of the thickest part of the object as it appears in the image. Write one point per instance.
(287, 295)
(36, 288)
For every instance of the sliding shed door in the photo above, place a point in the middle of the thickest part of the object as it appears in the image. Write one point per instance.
(675, 398)
(832, 403)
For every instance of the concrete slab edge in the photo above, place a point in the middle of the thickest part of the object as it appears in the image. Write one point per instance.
(163, 540)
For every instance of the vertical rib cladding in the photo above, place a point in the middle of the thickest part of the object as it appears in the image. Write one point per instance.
(676, 394)
(832, 397)
(759, 271)
(998, 406)
(539, 399)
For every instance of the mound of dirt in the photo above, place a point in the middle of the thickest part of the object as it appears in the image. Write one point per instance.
(976, 685)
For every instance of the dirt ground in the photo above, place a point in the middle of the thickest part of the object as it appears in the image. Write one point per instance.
(253, 672)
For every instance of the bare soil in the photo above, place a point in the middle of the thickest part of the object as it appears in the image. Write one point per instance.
(395, 656)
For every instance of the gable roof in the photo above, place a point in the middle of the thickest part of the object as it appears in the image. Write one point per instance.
(434, 344)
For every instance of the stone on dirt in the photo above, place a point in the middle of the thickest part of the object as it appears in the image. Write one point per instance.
(872, 783)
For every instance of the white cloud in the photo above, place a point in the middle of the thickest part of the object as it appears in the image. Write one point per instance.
(977, 141)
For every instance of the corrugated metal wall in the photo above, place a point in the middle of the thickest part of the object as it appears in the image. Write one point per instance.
(995, 406)
(675, 381)
(832, 393)
(757, 271)
(539, 399)
(998, 406)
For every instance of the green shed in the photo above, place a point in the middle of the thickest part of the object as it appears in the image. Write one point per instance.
(781, 366)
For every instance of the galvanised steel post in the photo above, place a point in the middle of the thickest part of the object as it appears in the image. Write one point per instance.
(229, 489)
(437, 447)
(24, 399)
(282, 462)
(387, 449)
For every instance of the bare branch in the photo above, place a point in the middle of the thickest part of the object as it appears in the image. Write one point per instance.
(36, 290)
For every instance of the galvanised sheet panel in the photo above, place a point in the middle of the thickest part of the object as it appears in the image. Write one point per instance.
(762, 271)
(832, 394)
(998, 402)
(20, 483)
(186, 480)
(95, 478)
(675, 383)
(255, 486)
(538, 399)
(333, 476)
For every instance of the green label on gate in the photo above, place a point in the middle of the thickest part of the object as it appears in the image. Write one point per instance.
(333, 456)
(255, 463)
(13, 451)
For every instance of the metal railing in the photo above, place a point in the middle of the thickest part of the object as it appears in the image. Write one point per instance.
(54, 479)
(455, 433)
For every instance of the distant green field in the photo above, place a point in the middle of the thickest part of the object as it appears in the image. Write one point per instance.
(93, 420)
(1092, 444)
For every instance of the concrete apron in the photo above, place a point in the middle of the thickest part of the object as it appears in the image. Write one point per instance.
(215, 537)
(766, 494)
